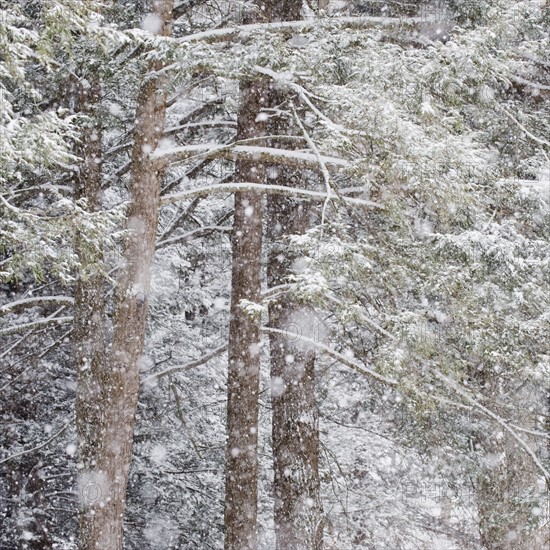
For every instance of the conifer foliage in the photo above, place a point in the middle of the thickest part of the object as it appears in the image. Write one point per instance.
(274, 274)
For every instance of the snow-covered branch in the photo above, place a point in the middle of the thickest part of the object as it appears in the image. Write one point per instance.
(286, 80)
(36, 301)
(246, 152)
(525, 130)
(36, 324)
(188, 366)
(362, 317)
(344, 360)
(324, 169)
(454, 386)
(230, 33)
(268, 189)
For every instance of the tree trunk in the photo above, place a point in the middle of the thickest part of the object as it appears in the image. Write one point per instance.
(244, 339)
(89, 306)
(298, 509)
(295, 419)
(295, 426)
(241, 488)
(102, 527)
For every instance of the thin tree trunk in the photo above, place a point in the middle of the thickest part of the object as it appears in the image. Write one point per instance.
(39, 524)
(103, 527)
(241, 486)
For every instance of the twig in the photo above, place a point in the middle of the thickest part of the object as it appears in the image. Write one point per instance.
(38, 447)
(190, 365)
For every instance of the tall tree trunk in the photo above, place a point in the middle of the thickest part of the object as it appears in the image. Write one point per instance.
(298, 509)
(89, 318)
(102, 528)
(241, 489)
(295, 426)
(295, 419)
(241, 484)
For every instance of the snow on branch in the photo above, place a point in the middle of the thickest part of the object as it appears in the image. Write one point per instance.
(36, 324)
(247, 152)
(525, 82)
(261, 188)
(347, 361)
(190, 235)
(525, 130)
(456, 388)
(361, 316)
(188, 366)
(450, 383)
(287, 80)
(38, 447)
(230, 33)
(36, 301)
(324, 169)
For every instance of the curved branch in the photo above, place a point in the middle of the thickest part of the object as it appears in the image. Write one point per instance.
(525, 130)
(464, 393)
(38, 447)
(475, 403)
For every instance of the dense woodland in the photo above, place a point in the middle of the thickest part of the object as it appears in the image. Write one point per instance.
(274, 274)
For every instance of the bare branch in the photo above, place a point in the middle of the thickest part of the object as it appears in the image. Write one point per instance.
(35, 301)
(191, 235)
(188, 366)
(38, 447)
(36, 324)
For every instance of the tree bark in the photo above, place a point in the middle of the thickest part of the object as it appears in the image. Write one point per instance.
(106, 484)
(295, 420)
(298, 506)
(89, 309)
(298, 509)
(244, 327)
(241, 486)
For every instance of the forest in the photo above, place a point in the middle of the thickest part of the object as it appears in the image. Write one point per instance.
(274, 275)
